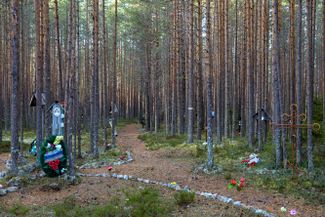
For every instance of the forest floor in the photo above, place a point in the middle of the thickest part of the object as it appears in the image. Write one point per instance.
(166, 165)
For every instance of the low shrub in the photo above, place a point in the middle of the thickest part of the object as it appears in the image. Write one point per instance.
(18, 210)
(184, 198)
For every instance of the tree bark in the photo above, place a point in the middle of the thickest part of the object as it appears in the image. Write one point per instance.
(299, 80)
(276, 82)
(210, 162)
(114, 89)
(47, 67)
(95, 84)
(15, 86)
(190, 77)
(39, 76)
(200, 114)
(310, 82)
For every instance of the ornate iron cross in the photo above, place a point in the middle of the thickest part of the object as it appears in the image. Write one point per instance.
(290, 122)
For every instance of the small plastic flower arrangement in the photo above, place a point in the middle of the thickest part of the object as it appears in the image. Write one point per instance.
(238, 185)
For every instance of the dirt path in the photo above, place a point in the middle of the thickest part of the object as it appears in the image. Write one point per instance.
(161, 166)
(158, 165)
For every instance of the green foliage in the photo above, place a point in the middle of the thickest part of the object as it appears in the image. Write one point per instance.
(66, 208)
(155, 141)
(312, 189)
(148, 202)
(140, 203)
(184, 198)
(112, 209)
(18, 210)
(4, 146)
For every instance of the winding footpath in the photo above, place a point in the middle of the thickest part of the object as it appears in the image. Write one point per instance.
(158, 167)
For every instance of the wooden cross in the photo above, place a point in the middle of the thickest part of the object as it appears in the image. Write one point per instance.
(290, 122)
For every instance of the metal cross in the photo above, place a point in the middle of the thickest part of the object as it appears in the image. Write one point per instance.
(290, 122)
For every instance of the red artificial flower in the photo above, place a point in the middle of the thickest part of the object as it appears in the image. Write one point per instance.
(242, 180)
(251, 164)
(241, 184)
(54, 164)
(245, 161)
(109, 168)
(233, 182)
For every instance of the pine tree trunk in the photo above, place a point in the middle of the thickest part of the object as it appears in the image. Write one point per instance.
(250, 75)
(276, 81)
(200, 115)
(39, 76)
(323, 63)
(105, 71)
(210, 162)
(114, 89)
(310, 82)
(95, 84)
(190, 77)
(47, 67)
(15, 87)
(60, 93)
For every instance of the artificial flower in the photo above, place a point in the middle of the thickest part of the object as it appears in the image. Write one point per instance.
(54, 164)
(109, 168)
(58, 140)
(233, 182)
(293, 212)
(283, 209)
(59, 147)
(242, 179)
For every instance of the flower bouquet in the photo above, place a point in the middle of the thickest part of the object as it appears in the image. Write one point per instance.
(238, 185)
(53, 157)
(251, 161)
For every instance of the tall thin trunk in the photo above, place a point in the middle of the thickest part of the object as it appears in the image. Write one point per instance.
(324, 62)
(70, 92)
(105, 71)
(299, 79)
(210, 162)
(15, 86)
(190, 76)
(250, 75)
(276, 81)
(113, 104)
(95, 84)
(200, 74)
(47, 67)
(39, 76)
(310, 81)
(60, 93)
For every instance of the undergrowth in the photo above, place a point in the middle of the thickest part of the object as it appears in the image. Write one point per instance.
(184, 198)
(18, 210)
(145, 202)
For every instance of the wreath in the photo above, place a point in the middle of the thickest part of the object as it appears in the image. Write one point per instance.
(53, 157)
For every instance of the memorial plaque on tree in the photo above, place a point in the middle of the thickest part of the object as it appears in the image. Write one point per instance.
(57, 119)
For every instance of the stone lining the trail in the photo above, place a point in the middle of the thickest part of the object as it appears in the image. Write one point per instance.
(208, 195)
(96, 165)
(5, 191)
